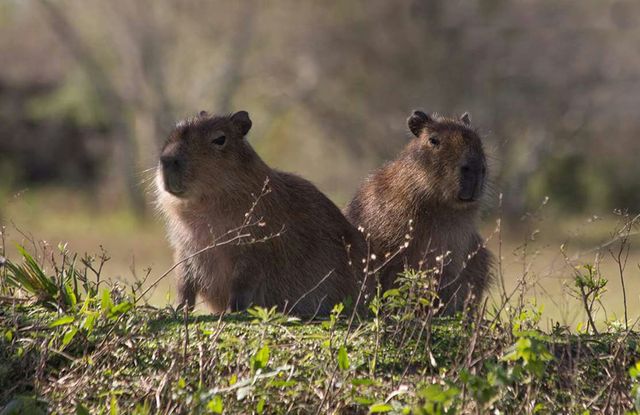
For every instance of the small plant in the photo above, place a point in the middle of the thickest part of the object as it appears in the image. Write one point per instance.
(437, 399)
(589, 288)
(264, 315)
(70, 293)
(530, 351)
(55, 291)
(409, 309)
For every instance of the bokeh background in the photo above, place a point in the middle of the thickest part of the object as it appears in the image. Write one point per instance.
(89, 90)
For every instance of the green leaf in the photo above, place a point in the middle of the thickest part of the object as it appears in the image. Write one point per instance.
(260, 406)
(105, 303)
(113, 406)
(34, 268)
(89, 322)
(261, 358)
(538, 408)
(31, 278)
(81, 409)
(363, 400)
(438, 394)
(85, 305)
(337, 309)
(121, 308)
(380, 408)
(215, 405)
(69, 335)
(634, 371)
(64, 320)
(343, 359)
(283, 383)
(359, 382)
(391, 293)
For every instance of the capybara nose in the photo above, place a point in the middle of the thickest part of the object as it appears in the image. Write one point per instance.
(172, 173)
(171, 163)
(471, 181)
(466, 195)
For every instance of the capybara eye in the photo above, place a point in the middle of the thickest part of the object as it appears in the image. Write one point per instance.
(434, 140)
(219, 141)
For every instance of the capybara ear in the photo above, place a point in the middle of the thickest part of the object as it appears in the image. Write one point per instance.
(242, 121)
(203, 114)
(418, 121)
(466, 119)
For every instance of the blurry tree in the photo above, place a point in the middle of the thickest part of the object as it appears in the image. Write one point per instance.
(238, 49)
(552, 85)
(128, 68)
(123, 107)
(536, 75)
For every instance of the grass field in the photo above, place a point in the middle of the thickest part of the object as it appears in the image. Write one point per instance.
(107, 349)
(79, 347)
(153, 361)
(530, 248)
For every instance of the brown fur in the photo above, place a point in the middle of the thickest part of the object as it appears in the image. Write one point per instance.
(305, 269)
(424, 187)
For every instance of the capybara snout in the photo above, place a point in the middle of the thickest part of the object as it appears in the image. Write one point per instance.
(472, 178)
(173, 168)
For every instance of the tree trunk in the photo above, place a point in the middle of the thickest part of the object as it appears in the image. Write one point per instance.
(238, 50)
(125, 164)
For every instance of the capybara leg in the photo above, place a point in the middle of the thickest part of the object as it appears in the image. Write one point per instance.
(186, 293)
(470, 286)
(247, 287)
(477, 275)
(240, 301)
(454, 297)
(245, 292)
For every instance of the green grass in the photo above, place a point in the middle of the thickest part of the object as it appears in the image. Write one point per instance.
(82, 339)
(154, 359)
(102, 351)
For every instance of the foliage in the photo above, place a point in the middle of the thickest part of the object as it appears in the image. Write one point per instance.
(76, 68)
(89, 357)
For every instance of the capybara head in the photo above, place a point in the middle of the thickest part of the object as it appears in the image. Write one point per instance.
(199, 153)
(452, 157)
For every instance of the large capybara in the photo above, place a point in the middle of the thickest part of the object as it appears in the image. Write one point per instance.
(248, 234)
(433, 187)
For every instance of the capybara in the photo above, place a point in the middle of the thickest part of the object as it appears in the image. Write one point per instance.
(432, 193)
(246, 234)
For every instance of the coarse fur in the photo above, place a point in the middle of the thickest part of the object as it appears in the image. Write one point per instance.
(423, 207)
(291, 246)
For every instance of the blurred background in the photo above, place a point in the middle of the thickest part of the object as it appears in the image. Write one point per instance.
(89, 90)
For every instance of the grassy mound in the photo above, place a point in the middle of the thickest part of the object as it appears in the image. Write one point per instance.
(74, 344)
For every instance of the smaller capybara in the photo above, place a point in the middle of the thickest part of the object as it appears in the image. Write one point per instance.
(434, 188)
(278, 240)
